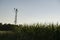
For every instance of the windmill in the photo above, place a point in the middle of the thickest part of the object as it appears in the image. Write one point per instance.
(16, 10)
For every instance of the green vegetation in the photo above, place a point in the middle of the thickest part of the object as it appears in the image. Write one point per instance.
(29, 32)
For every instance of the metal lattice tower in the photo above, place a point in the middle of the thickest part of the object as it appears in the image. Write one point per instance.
(16, 10)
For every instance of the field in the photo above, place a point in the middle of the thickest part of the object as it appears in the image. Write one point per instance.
(29, 32)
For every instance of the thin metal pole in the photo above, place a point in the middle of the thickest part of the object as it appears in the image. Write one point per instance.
(15, 15)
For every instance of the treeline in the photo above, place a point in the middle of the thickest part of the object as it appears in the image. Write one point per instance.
(6, 27)
(34, 32)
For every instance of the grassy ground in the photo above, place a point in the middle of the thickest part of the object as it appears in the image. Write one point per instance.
(32, 32)
(7, 35)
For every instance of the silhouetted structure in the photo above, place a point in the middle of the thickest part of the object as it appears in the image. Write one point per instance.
(16, 10)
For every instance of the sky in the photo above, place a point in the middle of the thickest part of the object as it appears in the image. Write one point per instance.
(30, 11)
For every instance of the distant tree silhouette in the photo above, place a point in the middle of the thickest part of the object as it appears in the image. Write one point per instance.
(0, 26)
(6, 27)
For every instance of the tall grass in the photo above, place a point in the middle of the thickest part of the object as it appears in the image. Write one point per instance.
(38, 32)
(34, 32)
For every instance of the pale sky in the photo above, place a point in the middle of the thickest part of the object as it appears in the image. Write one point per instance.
(30, 11)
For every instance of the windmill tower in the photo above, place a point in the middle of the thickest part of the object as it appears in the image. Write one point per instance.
(16, 10)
